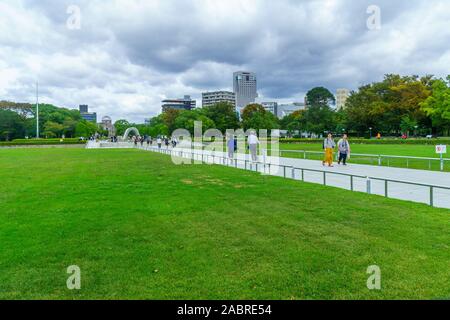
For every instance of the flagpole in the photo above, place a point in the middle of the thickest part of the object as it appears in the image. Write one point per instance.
(37, 110)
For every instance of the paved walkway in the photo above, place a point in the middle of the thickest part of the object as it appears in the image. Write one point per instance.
(339, 176)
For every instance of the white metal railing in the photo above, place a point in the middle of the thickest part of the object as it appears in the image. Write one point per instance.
(386, 160)
(194, 155)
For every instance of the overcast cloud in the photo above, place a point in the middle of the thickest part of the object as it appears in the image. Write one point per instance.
(128, 55)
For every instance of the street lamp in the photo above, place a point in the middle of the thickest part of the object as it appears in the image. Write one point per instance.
(415, 130)
(370, 130)
(37, 110)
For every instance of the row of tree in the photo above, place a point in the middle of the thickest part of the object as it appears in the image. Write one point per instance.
(18, 120)
(397, 105)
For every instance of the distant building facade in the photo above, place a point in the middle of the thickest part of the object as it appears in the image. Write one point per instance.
(84, 108)
(245, 89)
(86, 115)
(271, 107)
(212, 98)
(289, 108)
(341, 98)
(108, 125)
(185, 103)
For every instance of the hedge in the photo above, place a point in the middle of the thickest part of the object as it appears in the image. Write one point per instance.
(40, 142)
(374, 141)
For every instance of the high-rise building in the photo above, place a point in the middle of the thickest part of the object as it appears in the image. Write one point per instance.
(288, 109)
(245, 89)
(211, 98)
(271, 107)
(185, 103)
(86, 115)
(84, 108)
(341, 98)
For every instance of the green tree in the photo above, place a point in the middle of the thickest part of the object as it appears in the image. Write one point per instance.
(53, 129)
(169, 117)
(186, 120)
(320, 96)
(294, 122)
(437, 105)
(12, 125)
(224, 116)
(319, 118)
(408, 124)
(121, 126)
(254, 116)
(383, 105)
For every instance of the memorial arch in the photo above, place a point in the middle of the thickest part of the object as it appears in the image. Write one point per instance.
(128, 131)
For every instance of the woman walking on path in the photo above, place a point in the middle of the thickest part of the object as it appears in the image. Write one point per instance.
(344, 150)
(328, 146)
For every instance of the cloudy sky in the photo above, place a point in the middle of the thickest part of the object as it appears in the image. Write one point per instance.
(122, 57)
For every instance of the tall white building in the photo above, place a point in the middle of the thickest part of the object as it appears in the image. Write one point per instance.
(245, 89)
(341, 98)
(211, 98)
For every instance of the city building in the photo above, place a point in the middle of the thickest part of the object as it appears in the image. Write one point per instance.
(185, 103)
(211, 98)
(289, 108)
(271, 107)
(245, 89)
(108, 125)
(84, 108)
(86, 115)
(341, 98)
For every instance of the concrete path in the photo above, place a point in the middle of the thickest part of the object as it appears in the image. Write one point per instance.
(417, 190)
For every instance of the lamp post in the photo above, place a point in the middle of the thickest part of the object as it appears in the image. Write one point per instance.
(415, 130)
(370, 130)
(37, 110)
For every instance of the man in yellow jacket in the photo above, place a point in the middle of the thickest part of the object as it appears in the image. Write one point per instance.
(328, 146)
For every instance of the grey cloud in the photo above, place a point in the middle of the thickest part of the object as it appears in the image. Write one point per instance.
(130, 54)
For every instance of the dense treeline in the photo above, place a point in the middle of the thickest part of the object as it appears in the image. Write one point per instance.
(395, 106)
(409, 105)
(18, 120)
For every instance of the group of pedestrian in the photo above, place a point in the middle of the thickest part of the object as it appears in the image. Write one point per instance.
(343, 148)
(252, 142)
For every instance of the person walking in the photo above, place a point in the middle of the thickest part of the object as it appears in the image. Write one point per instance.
(159, 142)
(344, 150)
(230, 146)
(253, 143)
(328, 146)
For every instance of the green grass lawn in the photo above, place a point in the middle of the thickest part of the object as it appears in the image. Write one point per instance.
(140, 227)
(411, 150)
(387, 149)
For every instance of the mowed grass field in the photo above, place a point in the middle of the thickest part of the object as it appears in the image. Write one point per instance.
(140, 227)
(407, 150)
